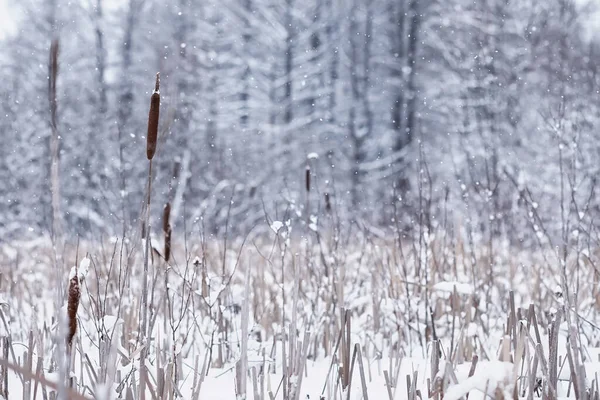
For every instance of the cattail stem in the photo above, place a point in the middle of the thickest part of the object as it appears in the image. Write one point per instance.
(151, 138)
(146, 255)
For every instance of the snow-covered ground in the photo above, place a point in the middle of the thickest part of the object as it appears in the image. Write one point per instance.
(217, 332)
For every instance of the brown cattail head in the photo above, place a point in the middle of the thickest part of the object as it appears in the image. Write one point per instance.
(167, 217)
(167, 230)
(176, 168)
(327, 202)
(168, 244)
(153, 120)
(53, 72)
(72, 305)
(307, 179)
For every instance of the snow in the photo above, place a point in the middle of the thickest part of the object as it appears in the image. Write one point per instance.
(276, 226)
(313, 225)
(480, 194)
(461, 288)
(82, 271)
(488, 376)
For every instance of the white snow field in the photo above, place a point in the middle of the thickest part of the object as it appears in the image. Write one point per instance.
(359, 322)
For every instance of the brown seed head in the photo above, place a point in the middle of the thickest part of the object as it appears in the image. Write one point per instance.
(327, 202)
(168, 244)
(307, 179)
(153, 120)
(72, 305)
(167, 217)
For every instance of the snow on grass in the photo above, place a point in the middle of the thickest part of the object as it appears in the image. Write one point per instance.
(390, 321)
(276, 226)
(461, 288)
(488, 376)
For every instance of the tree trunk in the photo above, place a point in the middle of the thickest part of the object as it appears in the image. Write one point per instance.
(289, 60)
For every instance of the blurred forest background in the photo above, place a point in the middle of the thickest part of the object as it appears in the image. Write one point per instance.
(480, 116)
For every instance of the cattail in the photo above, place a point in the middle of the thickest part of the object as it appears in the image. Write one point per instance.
(72, 305)
(167, 230)
(307, 179)
(176, 168)
(167, 217)
(153, 120)
(327, 202)
(53, 68)
(168, 244)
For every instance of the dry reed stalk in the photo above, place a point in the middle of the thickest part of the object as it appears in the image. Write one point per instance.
(242, 365)
(57, 236)
(4, 370)
(54, 144)
(388, 385)
(553, 354)
(301, 357)
(346, 345)
(361, 369)
(45, 382)
(153, 120)
(28, 357)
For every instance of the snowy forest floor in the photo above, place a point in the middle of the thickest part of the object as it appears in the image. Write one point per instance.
(313, 317)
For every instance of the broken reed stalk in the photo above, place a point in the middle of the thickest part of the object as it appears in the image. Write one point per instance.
(151, 140)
